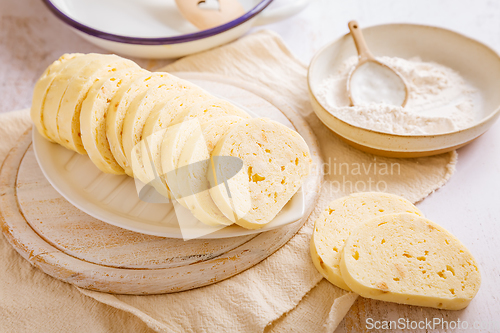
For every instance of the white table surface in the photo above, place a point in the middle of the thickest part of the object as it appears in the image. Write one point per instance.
(468, 205)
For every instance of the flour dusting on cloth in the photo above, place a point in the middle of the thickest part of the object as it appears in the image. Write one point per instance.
(439, 100)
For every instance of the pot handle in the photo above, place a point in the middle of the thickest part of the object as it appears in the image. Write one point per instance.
(285, 11)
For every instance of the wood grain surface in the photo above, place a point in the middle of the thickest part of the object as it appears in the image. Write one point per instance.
(72, 246)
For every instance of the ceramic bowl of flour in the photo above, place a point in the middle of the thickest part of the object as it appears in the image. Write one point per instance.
(453, 82)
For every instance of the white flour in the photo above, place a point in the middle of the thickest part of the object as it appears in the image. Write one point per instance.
(439, 100)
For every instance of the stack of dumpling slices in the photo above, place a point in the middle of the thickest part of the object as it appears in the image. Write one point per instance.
(380, 246)
(151, 125)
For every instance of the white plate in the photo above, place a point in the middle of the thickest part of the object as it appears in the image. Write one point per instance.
(113, 199)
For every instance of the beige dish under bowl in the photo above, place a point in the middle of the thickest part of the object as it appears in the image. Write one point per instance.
(477, 63)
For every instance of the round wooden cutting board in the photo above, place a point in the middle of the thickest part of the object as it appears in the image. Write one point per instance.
(72, 246)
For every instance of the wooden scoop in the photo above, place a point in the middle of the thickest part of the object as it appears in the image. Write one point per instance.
(206, 14)
(371, 81)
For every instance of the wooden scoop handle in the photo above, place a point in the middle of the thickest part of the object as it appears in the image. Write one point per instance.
(363, 51)
(206, 19)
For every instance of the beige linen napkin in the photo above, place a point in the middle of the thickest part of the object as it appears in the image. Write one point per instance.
(284, 293)
(260, 296)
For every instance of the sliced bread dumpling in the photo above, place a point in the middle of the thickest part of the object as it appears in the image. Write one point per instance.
(118, 110)
(407, 259)
(276, 161)
(93, 118)
(340, 218)
(151, 163)
(56, 91)
(42, 86)
(155, 127)
(184, 126)
(193, 167)
(68, 116)
(162, 115)
(139, 111)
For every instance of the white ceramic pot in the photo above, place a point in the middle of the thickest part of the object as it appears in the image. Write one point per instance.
(155, 28)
